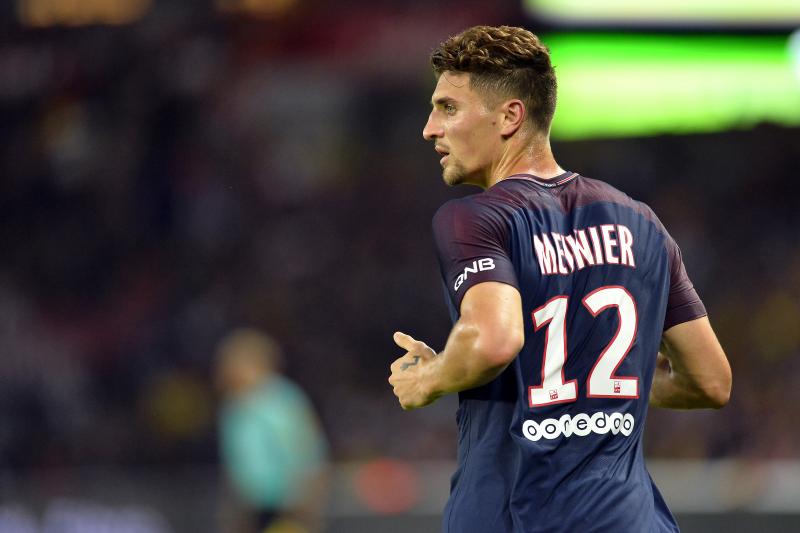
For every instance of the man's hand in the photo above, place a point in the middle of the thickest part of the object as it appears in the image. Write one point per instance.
(410, 372)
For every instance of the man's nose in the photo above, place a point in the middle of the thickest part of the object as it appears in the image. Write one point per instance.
(432, 129)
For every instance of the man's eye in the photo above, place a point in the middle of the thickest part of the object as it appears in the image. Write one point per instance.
(449, 109)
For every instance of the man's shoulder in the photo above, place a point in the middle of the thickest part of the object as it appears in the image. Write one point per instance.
(466, 209)
(494, 203)
(599, 190)
(451, 208)
(591, 190)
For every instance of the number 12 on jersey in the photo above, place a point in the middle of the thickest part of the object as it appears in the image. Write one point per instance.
(602, 382)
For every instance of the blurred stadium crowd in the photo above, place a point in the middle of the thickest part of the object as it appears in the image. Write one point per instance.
(164, 183)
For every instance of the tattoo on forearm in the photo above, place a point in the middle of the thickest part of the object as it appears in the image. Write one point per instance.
(405, 366)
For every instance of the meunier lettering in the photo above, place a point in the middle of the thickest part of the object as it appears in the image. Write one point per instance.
(592, 246)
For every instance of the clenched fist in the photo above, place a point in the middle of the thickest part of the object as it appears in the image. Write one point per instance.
(411, 377)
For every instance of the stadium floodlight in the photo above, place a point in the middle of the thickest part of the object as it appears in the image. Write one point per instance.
(613, 85)
(784, 13)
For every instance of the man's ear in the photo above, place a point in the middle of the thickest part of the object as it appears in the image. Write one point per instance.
(513, 117)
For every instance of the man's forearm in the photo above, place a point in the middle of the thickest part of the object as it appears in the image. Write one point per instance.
(468, 360)
(674, 390)
(668, 393)
(692, 371)
(485, 339)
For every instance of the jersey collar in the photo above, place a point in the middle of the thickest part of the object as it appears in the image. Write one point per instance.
(559, 180)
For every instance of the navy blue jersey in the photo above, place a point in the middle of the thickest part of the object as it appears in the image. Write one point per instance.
(554, 444)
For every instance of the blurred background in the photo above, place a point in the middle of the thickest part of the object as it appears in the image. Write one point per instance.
(173, 170)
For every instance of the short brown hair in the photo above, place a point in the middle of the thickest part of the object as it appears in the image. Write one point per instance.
(503, 61)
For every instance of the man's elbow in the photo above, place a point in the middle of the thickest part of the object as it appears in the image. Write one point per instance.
(720, 393)
(717, 390)
(500, 352)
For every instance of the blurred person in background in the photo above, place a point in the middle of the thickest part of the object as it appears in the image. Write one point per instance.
(555, 341)
(273, 450)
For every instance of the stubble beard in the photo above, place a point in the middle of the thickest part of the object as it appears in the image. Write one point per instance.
(454, 174)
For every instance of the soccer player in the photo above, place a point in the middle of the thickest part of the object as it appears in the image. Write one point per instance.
(571, 306)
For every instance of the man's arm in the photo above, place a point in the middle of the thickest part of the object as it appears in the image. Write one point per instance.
(692, 371)
(487, 337)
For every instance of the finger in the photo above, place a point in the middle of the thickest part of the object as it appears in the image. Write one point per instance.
(407, 342)
(395, 377)
(413, 346)
(426, 351)
(395, 366)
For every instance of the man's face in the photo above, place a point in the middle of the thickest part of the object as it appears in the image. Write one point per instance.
(465, 132)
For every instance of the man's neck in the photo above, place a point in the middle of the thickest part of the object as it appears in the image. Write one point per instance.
(535, 158)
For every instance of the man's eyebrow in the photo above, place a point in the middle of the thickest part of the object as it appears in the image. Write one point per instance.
(441, 101)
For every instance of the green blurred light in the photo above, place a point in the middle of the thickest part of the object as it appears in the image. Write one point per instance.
(735, 11)
(637, 85)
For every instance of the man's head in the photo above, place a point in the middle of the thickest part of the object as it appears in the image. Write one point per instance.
(494, 83)
(245, 359)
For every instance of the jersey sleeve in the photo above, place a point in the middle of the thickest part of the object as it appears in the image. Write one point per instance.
(471, 242)
(683, 303)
